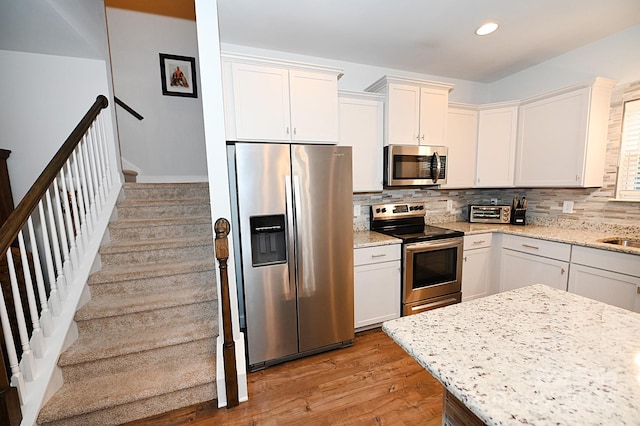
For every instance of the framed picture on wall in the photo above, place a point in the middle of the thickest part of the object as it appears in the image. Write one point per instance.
(178, 75)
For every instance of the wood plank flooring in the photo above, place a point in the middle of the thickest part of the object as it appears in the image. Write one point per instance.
(374, 382)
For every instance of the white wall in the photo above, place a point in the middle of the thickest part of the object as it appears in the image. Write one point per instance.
(358, 76)
(42, 101)
(168, 145)
(614, 57)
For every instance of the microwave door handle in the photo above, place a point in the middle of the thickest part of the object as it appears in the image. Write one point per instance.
(438, 167)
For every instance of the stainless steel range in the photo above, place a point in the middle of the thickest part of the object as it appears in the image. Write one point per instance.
(431, 256)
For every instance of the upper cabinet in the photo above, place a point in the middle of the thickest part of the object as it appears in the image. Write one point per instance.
(462, 136)
(562, 137)
(416, 110)
(497, 131)
(279, 101)
(361, 128)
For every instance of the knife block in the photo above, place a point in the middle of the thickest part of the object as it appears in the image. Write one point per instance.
(518, 216)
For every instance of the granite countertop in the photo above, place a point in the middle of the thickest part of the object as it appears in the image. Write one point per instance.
(370, 239)
(535, 356)
(582, 237)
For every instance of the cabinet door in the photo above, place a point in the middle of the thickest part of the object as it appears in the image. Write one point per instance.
(377, 293)
(475, 273)
(314, 107)
(403, 114)
(496, 147)
(361, 128)
(433, 116)
(261, 102)
(521, 269)
(605, 286)
(552, 139)
(462, 138)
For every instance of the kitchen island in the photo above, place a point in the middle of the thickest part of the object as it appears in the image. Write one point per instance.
(534, 355)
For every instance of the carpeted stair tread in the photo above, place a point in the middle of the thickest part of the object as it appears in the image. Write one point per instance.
(156, 244)
(138, 338)
(112, 305)
(99, 393)
(157, 202)
(148, 270)
(163, 221)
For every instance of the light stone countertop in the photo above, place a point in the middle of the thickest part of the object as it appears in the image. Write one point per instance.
(370, 239)
(535, 356)
(582, 237)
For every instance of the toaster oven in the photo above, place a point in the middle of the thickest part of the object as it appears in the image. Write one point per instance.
(490, 214)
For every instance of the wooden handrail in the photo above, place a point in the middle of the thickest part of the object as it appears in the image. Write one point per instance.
(18, 218)
(128, 108)
(222, 228)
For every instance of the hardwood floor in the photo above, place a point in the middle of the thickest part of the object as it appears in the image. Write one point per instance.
(374, 382)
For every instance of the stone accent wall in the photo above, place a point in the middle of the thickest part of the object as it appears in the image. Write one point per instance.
(593, 207)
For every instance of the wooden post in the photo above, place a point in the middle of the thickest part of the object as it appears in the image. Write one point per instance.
(222, 228)
(10, 413)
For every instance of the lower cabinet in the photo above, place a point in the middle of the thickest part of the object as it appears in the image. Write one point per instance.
(376, 285)
(476, 267)
(606, 276)
(525, 261)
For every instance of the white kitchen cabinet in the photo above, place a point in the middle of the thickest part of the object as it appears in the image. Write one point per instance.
(361, 118)
(415, 111)
(497, 131)
(476, 267)
(525, 261)
(562, 137)
(462, 140)
(279, 101)
(607, 276)
(376, 285)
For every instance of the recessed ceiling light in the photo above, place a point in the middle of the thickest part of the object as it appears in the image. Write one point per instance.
(487, 28)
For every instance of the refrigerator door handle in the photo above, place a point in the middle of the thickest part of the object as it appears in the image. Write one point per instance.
(290, 237)
(298, 234)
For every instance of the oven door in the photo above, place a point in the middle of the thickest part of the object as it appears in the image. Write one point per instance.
(432, 269)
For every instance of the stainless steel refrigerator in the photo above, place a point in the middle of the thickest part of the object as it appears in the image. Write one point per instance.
(293, 207)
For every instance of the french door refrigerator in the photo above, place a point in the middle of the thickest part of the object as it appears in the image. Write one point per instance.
(293, 207)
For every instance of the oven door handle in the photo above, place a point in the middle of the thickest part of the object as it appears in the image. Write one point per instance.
(433, 245)
(432, 305)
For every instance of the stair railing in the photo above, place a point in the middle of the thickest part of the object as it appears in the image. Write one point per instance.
(47, 246)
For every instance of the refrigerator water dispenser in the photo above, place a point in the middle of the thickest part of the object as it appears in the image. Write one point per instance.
(268, 240)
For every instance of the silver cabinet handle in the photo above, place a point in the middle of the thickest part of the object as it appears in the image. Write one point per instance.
(479, 242)
(638, 290)
(531, 247)
(294, 131)
(379, 255)
(287, 130)
(465, 258)
(422, 137)
(562, 271)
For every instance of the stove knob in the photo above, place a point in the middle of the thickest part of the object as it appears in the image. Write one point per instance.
(421, 207)
(384, 210)
(378, 210)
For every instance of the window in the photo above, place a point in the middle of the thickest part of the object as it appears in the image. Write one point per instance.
(628, 185)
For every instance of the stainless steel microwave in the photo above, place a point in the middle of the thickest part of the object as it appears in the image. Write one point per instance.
(415, 165)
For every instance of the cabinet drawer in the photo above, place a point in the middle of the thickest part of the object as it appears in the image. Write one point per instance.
(550, 249)
(376, 254)
(477, 241)
(623, 263)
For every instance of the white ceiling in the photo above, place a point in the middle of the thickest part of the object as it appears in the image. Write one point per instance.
(427, 36)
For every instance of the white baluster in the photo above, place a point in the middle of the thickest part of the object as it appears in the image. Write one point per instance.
(73, 252)
(75, 214)
(37, 343)
(27, 364)
(54, 297)
(82, 215)
(88, 176)
(91, 216)
(62, 235)
(45, 314)
(96, 162)
(17, 380)
(108, 177)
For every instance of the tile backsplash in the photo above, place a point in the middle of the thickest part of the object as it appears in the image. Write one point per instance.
(592, 206)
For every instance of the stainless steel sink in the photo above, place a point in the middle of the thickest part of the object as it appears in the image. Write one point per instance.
(622, 242)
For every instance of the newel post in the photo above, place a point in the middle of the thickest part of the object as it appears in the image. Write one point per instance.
(222, 228)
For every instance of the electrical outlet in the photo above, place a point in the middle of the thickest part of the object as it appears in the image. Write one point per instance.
(567, 207)
(449, 205)
(494, 201)
(356, 210)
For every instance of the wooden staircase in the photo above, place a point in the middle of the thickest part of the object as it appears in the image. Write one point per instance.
(147, 338)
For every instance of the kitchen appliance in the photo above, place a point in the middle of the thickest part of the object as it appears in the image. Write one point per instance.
(431, 256)
(293, 249)
(415, 165)
(490, 214)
